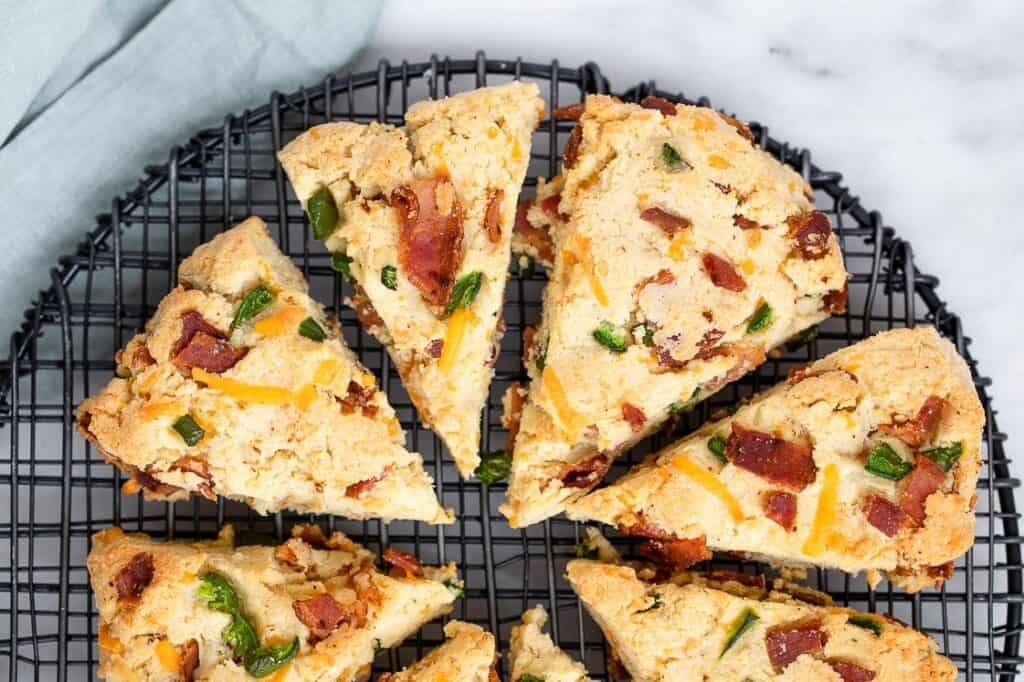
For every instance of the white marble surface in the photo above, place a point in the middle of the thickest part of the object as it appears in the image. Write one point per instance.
(916, 103)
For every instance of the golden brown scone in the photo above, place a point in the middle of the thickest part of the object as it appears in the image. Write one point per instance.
(680, 630)
(468, 655)
(532, 652)
(683, 253)
(272, 417)
(421, 209)
(157, 621)
(796, 478)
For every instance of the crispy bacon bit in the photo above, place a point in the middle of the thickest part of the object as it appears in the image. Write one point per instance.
(708, 342)
(538, 238)
(149, 482)
(430, 239)
(550, 206)
(677, 554)
(365, 312)
(570, 112)
(722, 273)
(925, 479)
(134, 577)
(142, 358)
(663, 277)
(313, 536)
(645, 529)
(835, 302)
(669, 224)
(941, 573)
(189, 661)
(197, 466)
(322, 614)
(740, 127)
(660, 103)
(572, 147)
(529, 343)
(492, 216)
(404, 564)
(201, 345)
(634, 416)
(916, 432)
(780, 507)
(435, 348)
(586, 473)
(757, 581)
(773, 459)
(807, 595)
(851, 672)
(811, 231)
(357, 489)
(785, 643)
(883, 514)
(513, 402)
(358, 397)
(744, 223)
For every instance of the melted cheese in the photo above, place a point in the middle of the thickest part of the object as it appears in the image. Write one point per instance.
(325, 372)
(570, 419)
(167, 655)
(165, 409)
(458, 323)
(108, 642)
(284, 321)
(253, 393)
(710, 483)
(716, 161)
(305, 396)
(825, 516)
(583, 258)
(677, 247)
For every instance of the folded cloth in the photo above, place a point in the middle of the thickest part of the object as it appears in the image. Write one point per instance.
(187, 64)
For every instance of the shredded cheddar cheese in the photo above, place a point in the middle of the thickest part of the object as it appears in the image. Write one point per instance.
(281, 673)
(458, 323)
(108, 642)
(167, 655)
(305, 396)
(825, 516)
(252, 393)
(570, 419)
(702, 123)
(583, 258)
(677, 247)
(709, 482)
(753, 238)
(284, 321)
(517, 150)
(161, 409)
(325, 372)
(748, 266)
(716, 161)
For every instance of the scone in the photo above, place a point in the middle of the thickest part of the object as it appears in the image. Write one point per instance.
(468, 655)
(312, 608)
(866, 460)
(241, 386)
(533, 656)
(682, 254)
(420, 221)
(690, 627)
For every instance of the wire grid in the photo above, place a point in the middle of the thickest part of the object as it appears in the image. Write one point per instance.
(61, 492)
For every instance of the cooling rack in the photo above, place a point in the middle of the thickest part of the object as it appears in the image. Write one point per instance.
(55, 491)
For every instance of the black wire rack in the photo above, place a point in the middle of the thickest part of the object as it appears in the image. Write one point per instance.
(60, 491)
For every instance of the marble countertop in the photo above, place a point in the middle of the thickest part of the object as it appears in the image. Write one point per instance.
(917, 108)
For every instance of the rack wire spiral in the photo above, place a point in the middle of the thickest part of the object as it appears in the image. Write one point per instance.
(60, 491)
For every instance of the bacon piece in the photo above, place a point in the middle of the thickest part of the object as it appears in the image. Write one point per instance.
(359, 397)
(550, 206)
(634, 416)
(708, 342)
(677, 553)
(142, 358)
(645, 529)
(585, 473)
(430, 239)
(572, 147)
(198, 467)
(202, 345)
(492, 216)
(660, 103)
(435, 348)
(925, 479)
(669, 224)
(529, 343)
(405, 563)
(313, 536)
(916, 432)
(780, 507)
(663, 277)
(570, 112)
(144, 479)
(806, 595)
(835, 302)
(744, 223)
(322, 614)
(811, 231)
(189, 661)
(785, 643)
(538, 238)
(365, 311)
(757, 581)
(134, 577)
(740, 127)
(358, 488)
(883, 514)
(851, 672)
(773, 459)
(941, 573)
(722, 273)
(513, 402)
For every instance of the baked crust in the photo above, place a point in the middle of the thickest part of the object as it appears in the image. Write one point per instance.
(839, 406)
(692, 251)
(532, 652)
(324, 428)
(468, 655)
(683, 637)
(268, 581)
(480, 142)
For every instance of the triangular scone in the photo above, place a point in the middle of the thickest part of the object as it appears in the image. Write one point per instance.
(690, 628)
(532, 652)
(682, 254)
(421, 219)
(272, 409)
(468, 655)
(804, 473)
(323, 594)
